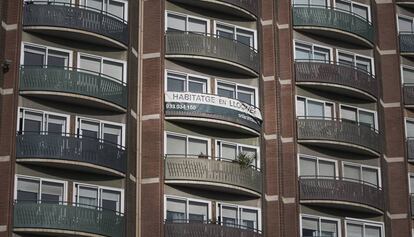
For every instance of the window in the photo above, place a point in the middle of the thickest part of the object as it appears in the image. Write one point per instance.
(106, 67)
(238, 92)
(360, 229)
(108, 132)
(362, 117)
(238, 216)
(178, 22)
(319, 226)
(187, 210)
(409, 126)
(36, 55)
(356, 172)
(407, 74)
(411, 183)
(313, 108)
(357, 9)
(307, 52)
(230, 151)
(311, 2)
(179, 145)
(184, 82)
(32, 189)
(116, 8)
(405, 24)
(242, 35)
(314, 166)
(95, 196)
(34, 121)
(360, 62)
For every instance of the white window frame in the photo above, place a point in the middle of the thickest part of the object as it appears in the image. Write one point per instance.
(41, 179)
(187, 75)
(407, 18)
(239, 207)
(319, 218)
(319, 101)
(312, 45)
(186, 20)
(20, 111)
(360, 166)
(360, 109)
(317, 158)
(101, 123)
(360, 4)
(186, 136)
(187, 200)
(256, 96)
(354, 55)
(105, 7)
(124, 65)
(235, 28)
(363, 222)
(46, 48)
(238, 145)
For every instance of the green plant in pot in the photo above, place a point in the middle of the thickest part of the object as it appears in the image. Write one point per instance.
(244, 159)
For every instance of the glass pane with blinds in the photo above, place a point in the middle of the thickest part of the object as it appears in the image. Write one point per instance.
(310, 227)
(318, 2)
(114, 70)
(329, 228)
(249, 219)
(354, 230)
(363, 64)
(329, 111)
(300, 107)
(89, 129)
(228, 151)
(176, 145)
(197, 211)
(96, 4)
(229, 216)
(28, 189)
(116, 8)
(367, 118)
(345, 59)
(408, 75)
(112, 134)
(300, 2)
(197, 85)
(197, 147)
(52, 192)
(245, 37)
(87, 197)
(321, 54)
(91, 65)
(343, 5)
(111, 200)
(372, 231)
(360, 11)
(176, 210)
(410, 128)
(315, 109)
(307, 167)
(33, 122)
(349, 114)
(246, 95)
(226, 90)
(56, 124)
(225, 31)
(175, 82)
(176, 23)
(411, 183)
(303, 52)
(405, 25)
(370, 176)
(57, 59)
(352, 172)
(197, 25)
(326, 168)
(34, 56)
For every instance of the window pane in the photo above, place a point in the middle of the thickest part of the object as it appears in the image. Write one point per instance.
(345, 59)
(370, 175)
(196, 25)
(353, 230)
(111, 200)
(408, 75)
(33, 122)
(228, 151)
(318, 2)
(348, 113)
(176, 145)
(363, 64)
(112, 134)
(176, 23)
(251, 152)
(329, 112)
(307, 167)
(225, 31)
(57, 59)
(89, 129)
(346, 6)
(52, 192)
(411, 184)
(175, 82)
(116, 8)
(27, 189)
(90, 64)
(229, 216)
(303, 52)
(198, 212)
(176, 210)
(315, 109)
(329, 228)
(366, 118)
(245, 37)
(372, 231)
(321, 54)
(360, 11)
(34, 56)
(352, 172)
(309, 227)
(249, 218)
(405, 24)
(226, 90)
(410, 129)
(197, 147)
(326, 168)
(113, 69)
(300, 107)
(88, 197)
(97, 4)
(246, 95)
(197, 85)
(56, 124)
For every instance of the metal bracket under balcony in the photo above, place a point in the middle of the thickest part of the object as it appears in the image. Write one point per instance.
(75, 22)
(339, 192)
(243, 8)
(223, 176)
(74, 85)
(406, 43)
(338, 134)
(71, 152)
(212, 51)
(207, 229)
(335, 78)
(64, 219)
(333, 23)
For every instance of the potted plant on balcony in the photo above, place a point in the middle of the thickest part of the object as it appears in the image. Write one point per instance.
(244, 159)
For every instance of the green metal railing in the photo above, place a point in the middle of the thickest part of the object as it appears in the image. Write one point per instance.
(73, 80)
(88, 219)
(330, 17)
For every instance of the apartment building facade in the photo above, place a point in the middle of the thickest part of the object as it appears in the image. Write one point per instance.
(206, 118)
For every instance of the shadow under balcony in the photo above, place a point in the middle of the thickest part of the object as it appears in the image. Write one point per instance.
(73, 85)
(206, 229)
(68, 151)
(338, 134)
(334, 23)
(213, 111)
(211, 174)
(344, 79)
(212, 51)
(75, 22)
(66, 220)
(244, 8)
(343, 193)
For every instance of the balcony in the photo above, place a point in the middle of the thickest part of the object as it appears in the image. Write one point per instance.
(243, 8)
(66, 220)
(211, 51)
(213, 175)
(406, 43)
(335, 78)
(213, 111)
(75, 22)
(206, 229)
(71, 152)
(333, 23)
(338, 134)
(72, 85)
(344, 193)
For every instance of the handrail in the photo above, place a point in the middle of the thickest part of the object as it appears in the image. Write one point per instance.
(334, 63)
(339, 120)
(213, 222)
(339, 178)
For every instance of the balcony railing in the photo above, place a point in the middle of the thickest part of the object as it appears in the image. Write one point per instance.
(339, 131)
(212, 46)
(68, 15)
(406, 42)
(70, 147)
(341, 189)
(73, 81)
(215, 172)
(338, 74)
(329, 17)
(206, 229)
(408, 90)
(40, 217)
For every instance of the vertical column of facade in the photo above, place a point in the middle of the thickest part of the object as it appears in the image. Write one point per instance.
(152, 119)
